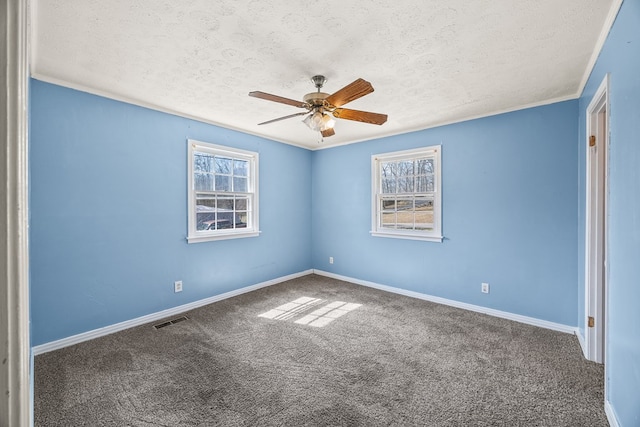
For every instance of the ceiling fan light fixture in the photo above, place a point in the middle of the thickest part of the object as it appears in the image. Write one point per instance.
(319, 121)
(327, 122)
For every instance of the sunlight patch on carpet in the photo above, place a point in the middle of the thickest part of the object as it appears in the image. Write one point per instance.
(318, 318)
(291, 309)
(327, 314)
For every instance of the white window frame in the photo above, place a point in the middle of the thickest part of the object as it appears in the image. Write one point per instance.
(252, 230)
(434, 235)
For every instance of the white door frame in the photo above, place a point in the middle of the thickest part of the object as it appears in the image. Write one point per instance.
(15, 357)
(597, 172)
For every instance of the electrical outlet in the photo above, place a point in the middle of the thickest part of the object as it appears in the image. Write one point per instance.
(485, 288)
(177, 286)
(330, 260)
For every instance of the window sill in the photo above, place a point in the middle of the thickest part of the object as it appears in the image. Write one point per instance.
(409, 236)
(226, 236)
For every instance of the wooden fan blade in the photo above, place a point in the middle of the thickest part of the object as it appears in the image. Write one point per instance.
(327, 133)
(276, 98)
(350, 92)
(360, 116)
(282, 118)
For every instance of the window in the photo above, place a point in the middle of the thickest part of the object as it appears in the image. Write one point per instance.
(223, 192)
(407, 194)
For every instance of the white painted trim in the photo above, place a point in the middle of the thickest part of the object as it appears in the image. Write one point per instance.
(15, 367)
(611, 414)
(100, 332)
(253, 226)
(595, 287)
(602, 38)
(451, 122)
(227, 236)
(583, 345)
(151, 106)
(139, 103)
(471, 307)
(433, 151)
(407, 236)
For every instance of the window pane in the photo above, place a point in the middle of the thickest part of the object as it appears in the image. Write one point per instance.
(424, 213)
(425, 184)
(205, 211)
(223, 183)
(388, 185)
(405, 168)
(405, 185)
(223, 165)
(203, 181)
(215, 224)
(405, 225)
(225, 204)
(430, 183)
(224, 213)
(202, 162)
(388, 220)
(424, 227)
(405, 204)
(241, 219)
(388, 204)
(240, 184)
(389, 169)
(424, 166)
(241, 204)
(404, 218)
(240, 167)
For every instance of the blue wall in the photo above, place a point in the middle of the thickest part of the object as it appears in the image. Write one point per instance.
(509, 214)
(621, 58)
(109, 214)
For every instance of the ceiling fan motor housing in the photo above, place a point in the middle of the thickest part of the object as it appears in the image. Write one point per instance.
(315, 99)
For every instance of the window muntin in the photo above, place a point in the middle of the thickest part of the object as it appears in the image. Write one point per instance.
(223, 197)
(406, 194)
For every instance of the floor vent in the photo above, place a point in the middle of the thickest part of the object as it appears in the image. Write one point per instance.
(170, 322)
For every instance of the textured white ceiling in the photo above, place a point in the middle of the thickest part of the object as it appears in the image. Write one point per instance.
(430, 61)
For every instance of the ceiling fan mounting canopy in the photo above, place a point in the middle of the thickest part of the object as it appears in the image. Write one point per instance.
(320, 106)
(319, 81)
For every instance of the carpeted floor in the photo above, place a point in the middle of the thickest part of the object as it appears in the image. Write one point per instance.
(320, 352)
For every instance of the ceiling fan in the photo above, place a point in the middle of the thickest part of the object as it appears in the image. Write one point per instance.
(321, 106)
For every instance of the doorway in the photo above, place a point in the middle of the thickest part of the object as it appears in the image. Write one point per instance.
(596, 223)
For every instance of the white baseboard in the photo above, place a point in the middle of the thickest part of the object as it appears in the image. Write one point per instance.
(479, 309)
(611, 414)
(89, 335)
(583, 343)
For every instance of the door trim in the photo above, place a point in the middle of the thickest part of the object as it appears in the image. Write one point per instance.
(598, 119)
(15, 358)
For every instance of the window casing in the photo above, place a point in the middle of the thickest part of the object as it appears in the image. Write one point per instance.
(406, 194)
(223, 192)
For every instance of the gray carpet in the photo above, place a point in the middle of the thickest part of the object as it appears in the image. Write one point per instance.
(322, 360)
